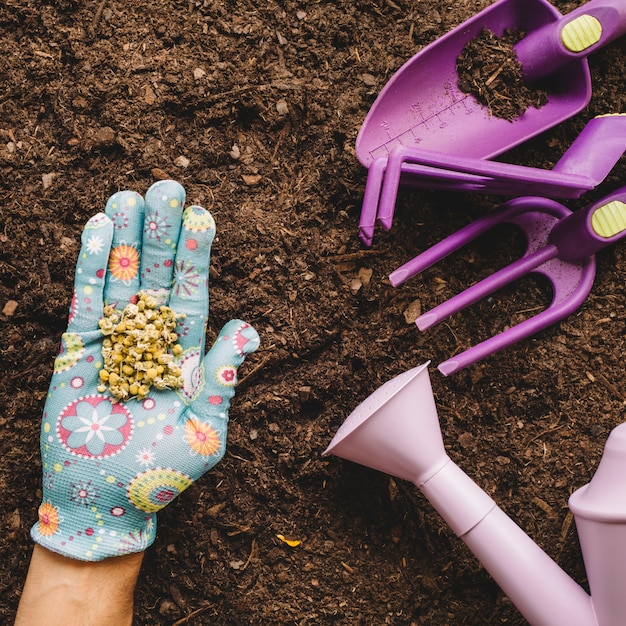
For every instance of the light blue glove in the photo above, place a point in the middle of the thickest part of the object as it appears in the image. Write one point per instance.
(108, 467)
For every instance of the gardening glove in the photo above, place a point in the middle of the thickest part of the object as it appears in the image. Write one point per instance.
(115, 453)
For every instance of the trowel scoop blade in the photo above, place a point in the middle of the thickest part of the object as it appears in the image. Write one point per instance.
(422, 105)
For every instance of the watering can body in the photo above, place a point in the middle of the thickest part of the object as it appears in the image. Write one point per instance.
(600, 512)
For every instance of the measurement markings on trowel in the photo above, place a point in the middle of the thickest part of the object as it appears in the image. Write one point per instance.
(427, 127)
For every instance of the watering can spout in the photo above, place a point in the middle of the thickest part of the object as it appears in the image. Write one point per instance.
(396, 431)
(402, 410)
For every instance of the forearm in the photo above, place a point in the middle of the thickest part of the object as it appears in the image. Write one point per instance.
(67, 592)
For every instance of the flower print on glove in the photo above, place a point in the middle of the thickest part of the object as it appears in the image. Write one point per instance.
(119, 446)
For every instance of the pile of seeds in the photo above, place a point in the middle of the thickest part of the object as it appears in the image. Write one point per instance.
(139, 349)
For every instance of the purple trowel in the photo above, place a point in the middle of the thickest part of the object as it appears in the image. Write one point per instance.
(421, 105)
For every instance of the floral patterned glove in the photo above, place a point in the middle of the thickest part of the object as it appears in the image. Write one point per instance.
(109, 466)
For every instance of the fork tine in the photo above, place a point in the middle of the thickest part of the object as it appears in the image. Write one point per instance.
(505, 213)
(488, 285)
(558, 310)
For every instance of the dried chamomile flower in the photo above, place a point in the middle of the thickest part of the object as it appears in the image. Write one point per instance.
(139, 349)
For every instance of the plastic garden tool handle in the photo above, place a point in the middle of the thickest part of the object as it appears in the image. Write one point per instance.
(108, 467)
(596, 149)
(587, 231)
(545, 50)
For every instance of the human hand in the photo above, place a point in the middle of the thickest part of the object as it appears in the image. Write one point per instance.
(108, 465)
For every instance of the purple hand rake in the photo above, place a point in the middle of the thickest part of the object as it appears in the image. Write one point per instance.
(585, 164)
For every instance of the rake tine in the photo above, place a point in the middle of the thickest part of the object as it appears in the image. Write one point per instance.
(414, 175)
(369, 208)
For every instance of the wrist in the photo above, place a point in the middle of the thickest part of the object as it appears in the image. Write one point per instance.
(90, 592)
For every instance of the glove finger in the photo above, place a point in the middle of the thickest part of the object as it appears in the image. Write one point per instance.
(89, 280)
(125, 209)
(162, 222)
(215, 387)
(189, 293)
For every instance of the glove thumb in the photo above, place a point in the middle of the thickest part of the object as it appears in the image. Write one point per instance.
(236, 340)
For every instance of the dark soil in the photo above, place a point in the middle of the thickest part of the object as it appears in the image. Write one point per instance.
(489, 70)
(254, 108)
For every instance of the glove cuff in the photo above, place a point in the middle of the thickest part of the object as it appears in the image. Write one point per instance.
(90, 544)
(91, 519)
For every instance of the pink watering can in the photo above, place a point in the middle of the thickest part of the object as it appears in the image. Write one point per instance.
(396, 430)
